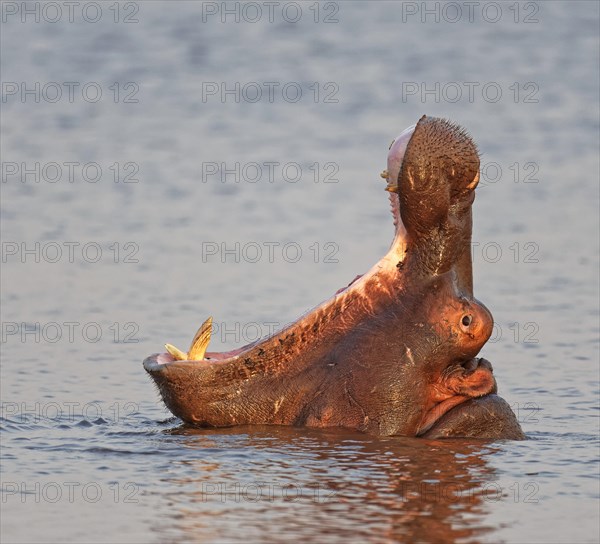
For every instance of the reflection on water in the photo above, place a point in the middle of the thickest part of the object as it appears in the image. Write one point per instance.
(408, 489)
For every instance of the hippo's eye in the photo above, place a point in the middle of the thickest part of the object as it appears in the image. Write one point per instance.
(466, 320)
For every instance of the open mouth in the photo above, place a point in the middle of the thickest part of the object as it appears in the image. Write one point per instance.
(156, 362)
(387, 267)
(197, 354)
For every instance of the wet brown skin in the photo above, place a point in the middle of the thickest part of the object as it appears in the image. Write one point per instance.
(484, 417)
(395, 352)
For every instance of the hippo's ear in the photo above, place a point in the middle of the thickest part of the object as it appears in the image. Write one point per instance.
(439, 173)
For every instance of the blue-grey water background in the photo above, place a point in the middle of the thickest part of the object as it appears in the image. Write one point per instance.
(89, 454)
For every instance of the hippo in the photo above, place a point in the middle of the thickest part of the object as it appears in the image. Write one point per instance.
(394, 352)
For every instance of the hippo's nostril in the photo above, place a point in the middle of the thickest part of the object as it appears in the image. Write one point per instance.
(467, 320)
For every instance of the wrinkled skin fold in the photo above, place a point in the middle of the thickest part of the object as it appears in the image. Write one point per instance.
(395, 352)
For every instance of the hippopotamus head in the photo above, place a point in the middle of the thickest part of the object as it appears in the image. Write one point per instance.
(394, 352)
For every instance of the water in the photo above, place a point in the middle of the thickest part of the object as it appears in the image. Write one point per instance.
(88, 452)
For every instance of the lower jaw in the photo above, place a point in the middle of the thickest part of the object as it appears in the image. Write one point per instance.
(438, 411)
(489, 418)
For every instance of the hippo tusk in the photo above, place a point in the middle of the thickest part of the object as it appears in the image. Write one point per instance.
(198, 346)
(200, 341)
(392, 186)
(177, 354)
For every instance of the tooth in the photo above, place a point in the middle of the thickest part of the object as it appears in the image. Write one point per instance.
(392, 188)
(384, 174)
(177, 354)
(474, 183)
(200, 341)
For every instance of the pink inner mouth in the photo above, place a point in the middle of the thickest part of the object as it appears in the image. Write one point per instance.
(165, 358)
